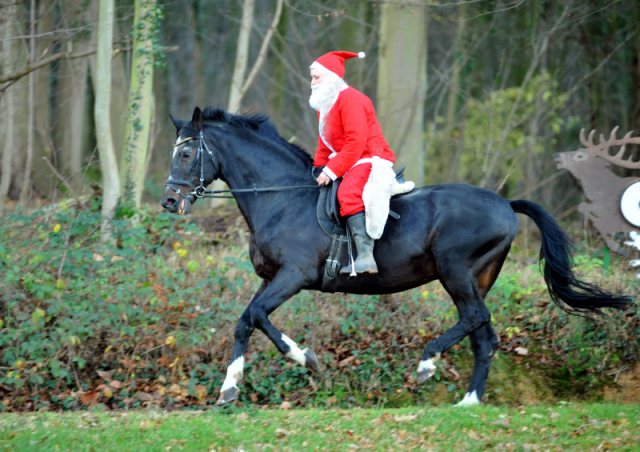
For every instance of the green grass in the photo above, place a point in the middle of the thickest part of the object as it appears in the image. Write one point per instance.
(566, 427)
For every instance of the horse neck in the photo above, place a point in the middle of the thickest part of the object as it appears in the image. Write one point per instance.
(248, 163)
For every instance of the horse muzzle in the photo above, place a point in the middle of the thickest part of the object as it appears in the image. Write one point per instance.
(176, 203)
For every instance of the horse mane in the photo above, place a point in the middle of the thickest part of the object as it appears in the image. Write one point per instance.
(258, 123)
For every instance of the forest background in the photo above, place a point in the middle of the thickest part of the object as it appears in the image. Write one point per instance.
(482, 92)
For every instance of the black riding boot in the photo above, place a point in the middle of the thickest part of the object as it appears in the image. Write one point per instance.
(365, 262)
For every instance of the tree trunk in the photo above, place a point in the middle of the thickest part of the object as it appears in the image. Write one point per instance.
(279, 71)
(6, 107)
(43, 140)
(6, 120)
(102, 115)
(239, 85)
(242, 56)
(26, 186)
(402, 80)
(199, 73)
(72, 112)
(453, 147)
(140, 111)
(351, 36)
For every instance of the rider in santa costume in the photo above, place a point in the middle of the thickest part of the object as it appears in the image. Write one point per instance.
(349, 138)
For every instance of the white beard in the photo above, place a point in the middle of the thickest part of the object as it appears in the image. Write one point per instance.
(325, 94)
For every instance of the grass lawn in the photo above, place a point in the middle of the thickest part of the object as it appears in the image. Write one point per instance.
(564, 427)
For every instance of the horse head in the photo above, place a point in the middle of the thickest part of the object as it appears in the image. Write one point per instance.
(193, 165)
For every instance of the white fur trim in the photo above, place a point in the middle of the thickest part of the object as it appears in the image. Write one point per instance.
(361, 55)
(234, 374)
(294, 351)
(316, 65)
(469, 399)
(379, 189)
(329, 173)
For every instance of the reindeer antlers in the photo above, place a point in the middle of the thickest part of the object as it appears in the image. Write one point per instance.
(602, 149)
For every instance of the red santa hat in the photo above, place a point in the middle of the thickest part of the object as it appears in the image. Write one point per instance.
(334, 61)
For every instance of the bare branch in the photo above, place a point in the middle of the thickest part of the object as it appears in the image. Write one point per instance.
(32, 67)
(64, 181)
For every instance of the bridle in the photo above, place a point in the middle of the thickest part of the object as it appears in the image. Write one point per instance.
(200, 191)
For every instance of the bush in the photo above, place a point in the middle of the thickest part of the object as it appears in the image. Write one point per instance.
(149, 319)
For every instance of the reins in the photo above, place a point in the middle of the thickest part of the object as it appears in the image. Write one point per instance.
(201, 192)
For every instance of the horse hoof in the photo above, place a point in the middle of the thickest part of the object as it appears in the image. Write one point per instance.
(470, 399)
(424, 375)
(229, 395)
(310, 360)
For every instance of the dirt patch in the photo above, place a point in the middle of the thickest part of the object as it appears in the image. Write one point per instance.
(626, 388)
(512, 383)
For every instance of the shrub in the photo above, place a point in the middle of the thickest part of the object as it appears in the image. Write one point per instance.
(149, 319)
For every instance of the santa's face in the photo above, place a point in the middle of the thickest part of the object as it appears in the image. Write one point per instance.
(325, 88)
(317, 77)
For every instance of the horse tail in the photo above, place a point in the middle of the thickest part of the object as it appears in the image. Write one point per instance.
(567, 291)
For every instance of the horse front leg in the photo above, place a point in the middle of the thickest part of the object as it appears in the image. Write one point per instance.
(244, 329)
(284, 286)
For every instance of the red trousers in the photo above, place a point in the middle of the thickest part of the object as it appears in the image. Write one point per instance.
(351, 187)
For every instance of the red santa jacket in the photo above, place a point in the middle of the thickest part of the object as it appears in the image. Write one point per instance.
(352, 130)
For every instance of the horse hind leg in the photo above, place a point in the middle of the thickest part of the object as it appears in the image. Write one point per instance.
(484, 341)
(468, 293)
(472, 312)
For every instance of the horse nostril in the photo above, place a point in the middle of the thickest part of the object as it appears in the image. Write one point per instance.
(169, 202)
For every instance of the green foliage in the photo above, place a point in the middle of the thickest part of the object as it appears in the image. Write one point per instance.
(498, 126)
(150, 319)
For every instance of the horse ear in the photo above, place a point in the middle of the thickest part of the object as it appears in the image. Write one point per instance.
(176, 122)
(196, 119)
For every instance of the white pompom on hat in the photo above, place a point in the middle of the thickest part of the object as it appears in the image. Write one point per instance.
(334, 61)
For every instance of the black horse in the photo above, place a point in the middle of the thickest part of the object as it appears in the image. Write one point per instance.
(456, 233)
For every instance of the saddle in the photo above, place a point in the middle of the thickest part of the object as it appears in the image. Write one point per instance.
(332, 223)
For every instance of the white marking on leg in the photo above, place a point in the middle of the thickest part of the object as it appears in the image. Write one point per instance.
(427, 368)
(294, 351)
(234, 374)
(427, 365)
(470, 398)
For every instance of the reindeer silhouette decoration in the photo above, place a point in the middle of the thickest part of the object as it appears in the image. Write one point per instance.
(603, 189)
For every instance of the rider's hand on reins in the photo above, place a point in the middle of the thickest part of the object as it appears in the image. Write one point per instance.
(323, 179)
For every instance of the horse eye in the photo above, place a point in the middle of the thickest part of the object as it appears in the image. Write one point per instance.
(186, 154)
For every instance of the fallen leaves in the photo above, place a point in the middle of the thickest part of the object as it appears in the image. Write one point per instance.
(90, 398)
